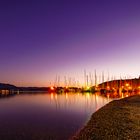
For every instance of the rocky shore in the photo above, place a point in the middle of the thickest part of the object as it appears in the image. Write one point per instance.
(118, 120)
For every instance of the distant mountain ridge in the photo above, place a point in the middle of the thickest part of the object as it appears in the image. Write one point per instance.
(4, 86)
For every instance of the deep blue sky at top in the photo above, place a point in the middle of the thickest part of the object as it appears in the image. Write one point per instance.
(41, 39)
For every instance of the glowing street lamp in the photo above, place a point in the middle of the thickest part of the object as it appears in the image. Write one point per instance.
(126, 84)
(52, 88)
(108, 87)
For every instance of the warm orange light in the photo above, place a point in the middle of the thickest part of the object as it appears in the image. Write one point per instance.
(52, 88)
(126, 95)
(108, 96)
(122, 95)
(66, 96)
(51, 96)
(56, 96)
(108, 87)
(126, 84)
(113, 88)
(87, 95)
(97, 86)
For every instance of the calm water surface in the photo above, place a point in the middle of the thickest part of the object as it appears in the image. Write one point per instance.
(46, 116)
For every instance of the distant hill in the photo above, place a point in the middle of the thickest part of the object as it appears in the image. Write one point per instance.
(133, 83)
(7, 86)
(4, 86)
(33, 88)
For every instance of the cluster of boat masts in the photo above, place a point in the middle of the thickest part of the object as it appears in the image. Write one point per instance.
(97, 84)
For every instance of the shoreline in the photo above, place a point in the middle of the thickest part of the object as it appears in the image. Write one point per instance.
(119, 119)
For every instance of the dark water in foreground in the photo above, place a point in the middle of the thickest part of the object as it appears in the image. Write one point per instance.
(46, 116)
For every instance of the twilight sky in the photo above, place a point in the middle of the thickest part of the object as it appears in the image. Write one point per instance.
(40, 39)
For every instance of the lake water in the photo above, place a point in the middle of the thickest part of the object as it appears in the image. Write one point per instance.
(44, 116)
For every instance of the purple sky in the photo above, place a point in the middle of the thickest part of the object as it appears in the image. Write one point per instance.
(42, 39)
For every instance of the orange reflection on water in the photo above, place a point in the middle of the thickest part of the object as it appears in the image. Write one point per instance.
(122, 96)
(77, 101)
(66, 96)
(87, 95)
(119, 94)
(108, 96)
(56, 96)
(52, 96)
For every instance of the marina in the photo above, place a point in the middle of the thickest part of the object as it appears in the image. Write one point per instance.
(69, 70)
(73, 107)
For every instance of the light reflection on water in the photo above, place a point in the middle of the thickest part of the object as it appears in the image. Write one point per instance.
(47, 116)
(79, 103)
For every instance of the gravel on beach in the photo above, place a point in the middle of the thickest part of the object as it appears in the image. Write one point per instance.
(118, 120)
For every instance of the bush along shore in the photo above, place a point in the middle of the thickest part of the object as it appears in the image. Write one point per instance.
(118, 120)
